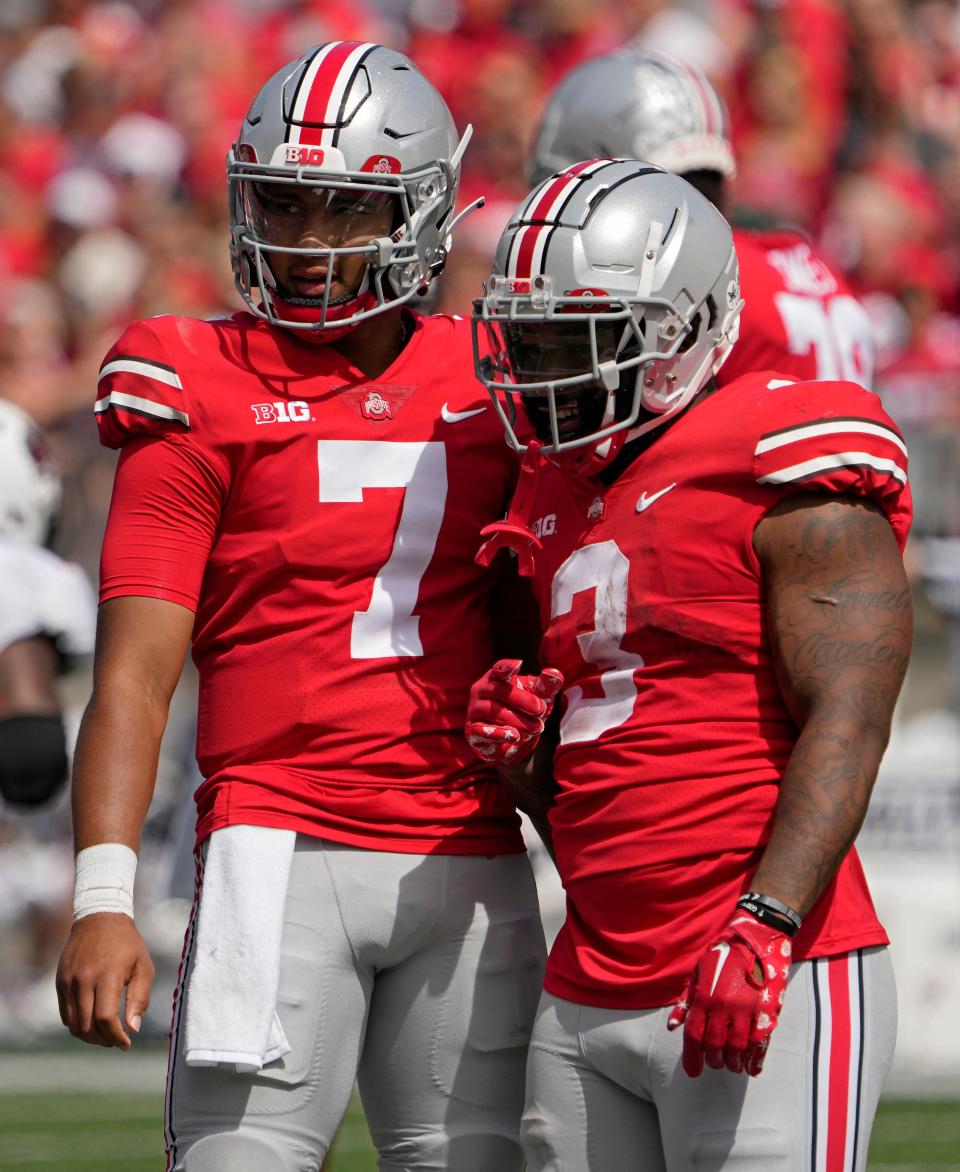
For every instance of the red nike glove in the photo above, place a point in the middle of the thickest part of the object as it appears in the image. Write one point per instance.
(506, 711)
(728, 1012)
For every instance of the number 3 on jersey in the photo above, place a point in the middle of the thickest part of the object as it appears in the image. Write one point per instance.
(388, 626)
(605, 568)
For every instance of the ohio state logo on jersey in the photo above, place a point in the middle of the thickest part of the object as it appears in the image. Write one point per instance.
(597, 509)
(375, 406)
(376, 403)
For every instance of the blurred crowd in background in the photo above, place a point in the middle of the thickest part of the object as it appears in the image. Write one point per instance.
(115, 118)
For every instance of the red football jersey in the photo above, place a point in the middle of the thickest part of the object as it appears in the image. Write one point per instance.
(674, 733)
(799, 316)
(322, 526)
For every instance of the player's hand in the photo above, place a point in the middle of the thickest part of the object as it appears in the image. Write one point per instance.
(506, 711)
(104, 955)
(732, 1001)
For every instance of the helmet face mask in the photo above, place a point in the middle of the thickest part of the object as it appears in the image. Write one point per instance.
(614, 299)
(572, 369)
(347, 167)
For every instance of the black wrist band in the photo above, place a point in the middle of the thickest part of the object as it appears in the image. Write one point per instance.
(772, 911)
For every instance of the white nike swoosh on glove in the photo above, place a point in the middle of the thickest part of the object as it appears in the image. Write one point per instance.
(724, 951)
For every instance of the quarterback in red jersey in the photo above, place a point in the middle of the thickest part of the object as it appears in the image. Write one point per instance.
(720, 582)
(298, 494)
(799, 315)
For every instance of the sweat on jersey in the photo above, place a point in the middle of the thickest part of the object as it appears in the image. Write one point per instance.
(322, 527)
(674, 732)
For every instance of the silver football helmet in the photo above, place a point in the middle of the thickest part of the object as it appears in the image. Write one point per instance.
(30, 488)
(355, 131)
(614, 298)
(634, 105)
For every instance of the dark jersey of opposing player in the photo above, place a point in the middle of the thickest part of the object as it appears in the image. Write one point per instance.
(674, 733)
(799, 316)
(322, 527)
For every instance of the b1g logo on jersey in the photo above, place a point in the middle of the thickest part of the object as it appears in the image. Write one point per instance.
(544, 526)
(597, 509)
(295, 412)
(375, 406)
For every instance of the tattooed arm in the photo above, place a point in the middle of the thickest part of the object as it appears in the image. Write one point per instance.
(840, 624)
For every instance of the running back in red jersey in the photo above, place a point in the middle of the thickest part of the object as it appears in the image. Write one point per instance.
(652, 600)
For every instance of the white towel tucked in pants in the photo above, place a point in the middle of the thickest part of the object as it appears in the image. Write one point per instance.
(231, 1000)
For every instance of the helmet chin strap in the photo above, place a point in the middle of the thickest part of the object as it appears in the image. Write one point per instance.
(328, 331)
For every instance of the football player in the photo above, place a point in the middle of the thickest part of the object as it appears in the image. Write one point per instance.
(720, 581)
(298, 492)
(799, 314)
(46, 616)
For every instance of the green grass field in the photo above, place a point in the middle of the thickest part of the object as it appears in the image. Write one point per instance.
(55, 1132)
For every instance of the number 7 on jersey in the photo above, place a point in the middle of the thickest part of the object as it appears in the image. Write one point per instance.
(388, 626)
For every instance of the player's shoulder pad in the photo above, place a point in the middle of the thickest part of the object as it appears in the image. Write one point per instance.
(447, 344)
(140, 391)
(447, 329)
(827, 437)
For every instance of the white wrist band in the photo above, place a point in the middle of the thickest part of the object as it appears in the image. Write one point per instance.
(104, 880)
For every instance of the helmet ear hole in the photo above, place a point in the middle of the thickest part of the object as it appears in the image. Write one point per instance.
(690, 339)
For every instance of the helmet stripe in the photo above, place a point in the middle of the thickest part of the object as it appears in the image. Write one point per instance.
(322, 91)
(704, 97)
(526, 244)
(338, 51)
(555, 192)
(526, 255)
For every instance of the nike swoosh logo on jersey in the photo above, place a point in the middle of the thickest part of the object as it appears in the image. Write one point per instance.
(646, 501)
(724, 952)
(449, 416)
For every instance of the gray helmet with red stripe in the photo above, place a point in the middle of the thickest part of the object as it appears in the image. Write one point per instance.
(634, 105)
(614, 298)
(351, 116)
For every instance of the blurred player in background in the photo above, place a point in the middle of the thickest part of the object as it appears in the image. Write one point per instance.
(47, 619)
(720, 580)
(299, 491)
(46, 615)
(799, 315)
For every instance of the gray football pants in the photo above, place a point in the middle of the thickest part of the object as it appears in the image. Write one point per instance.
(417, 975)
(606, 1092)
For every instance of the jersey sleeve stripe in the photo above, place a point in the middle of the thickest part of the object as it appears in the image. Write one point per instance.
(813, 467)
(121, 401)
(143, 367)
(777, 439)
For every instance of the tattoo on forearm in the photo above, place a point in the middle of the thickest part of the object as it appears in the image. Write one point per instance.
(824, 796)
(840, 617)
